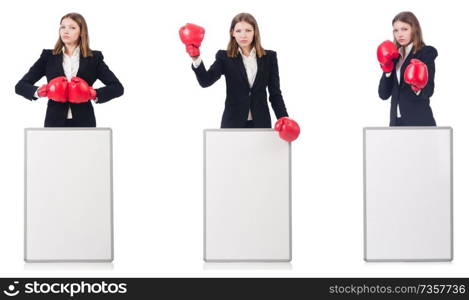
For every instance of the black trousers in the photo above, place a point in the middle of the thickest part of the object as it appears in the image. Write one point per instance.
(401, 122)
(69, 123)
(249, 124)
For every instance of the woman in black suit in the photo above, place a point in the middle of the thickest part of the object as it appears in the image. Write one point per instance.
(71, 69)
(249, 70)
(410, 95)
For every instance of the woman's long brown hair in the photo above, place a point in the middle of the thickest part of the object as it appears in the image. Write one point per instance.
(83, 40)
(232, 49)
(417, 37)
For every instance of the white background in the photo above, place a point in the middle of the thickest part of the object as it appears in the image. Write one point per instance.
(329, 79)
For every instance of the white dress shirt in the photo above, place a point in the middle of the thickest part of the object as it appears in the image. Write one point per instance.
(71, 64)
(402, 58)
(250, 64)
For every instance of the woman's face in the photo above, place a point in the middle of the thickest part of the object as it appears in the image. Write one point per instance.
(243, 32)
(402, 33)
(69, 31)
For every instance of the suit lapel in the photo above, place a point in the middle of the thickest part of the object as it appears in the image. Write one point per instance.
(82, 66)
(260, 69)
(59, 64)
(404, 65)
(240, 66)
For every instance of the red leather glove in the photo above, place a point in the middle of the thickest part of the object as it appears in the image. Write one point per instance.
(79, 91)
(56, 89)
(287, 129)
(387, 52)
(192, 35)
(416, 74)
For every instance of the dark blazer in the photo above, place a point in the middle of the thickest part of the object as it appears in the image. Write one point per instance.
(90, 69)
(239, 96)
(415, 110)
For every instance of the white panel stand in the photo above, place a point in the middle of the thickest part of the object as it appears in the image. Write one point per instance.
(68, 195)
(247, 196)
(408, 194)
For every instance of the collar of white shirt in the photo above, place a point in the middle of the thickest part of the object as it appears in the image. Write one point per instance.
(75, 54)
(251, 54)
(407, 50)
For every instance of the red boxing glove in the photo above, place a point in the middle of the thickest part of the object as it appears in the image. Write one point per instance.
(387, 52)
(416, 74)
(56, 89)
(287, 129)
(79, 91)
(192, 35)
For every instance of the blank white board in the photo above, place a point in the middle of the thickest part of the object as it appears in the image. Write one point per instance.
(408, 194)
(247, 196)
(68, 194)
